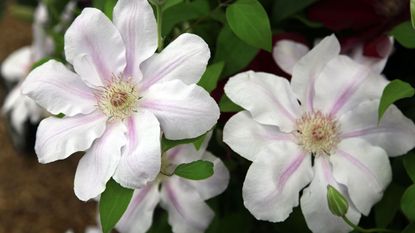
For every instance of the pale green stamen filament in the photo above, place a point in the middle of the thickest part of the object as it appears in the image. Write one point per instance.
(317, 133)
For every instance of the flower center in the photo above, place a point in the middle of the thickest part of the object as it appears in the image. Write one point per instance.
(118, 99)
(388, 8)
(317, 133)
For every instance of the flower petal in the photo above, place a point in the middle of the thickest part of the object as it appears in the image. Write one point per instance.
(364, 169)
(247, 137)
(353, 84)
(184, 111)
(15, 104)
(186, 153)
(16, 66)
(315, 206)
(274, 181)
(287, 53)
(102, 46)
(185, 59)
(307, 69)
(136, 22)
(140, 161)
(395, 133)
(267, 97)
(188, 213)
(139, 215)
(58, 138)
(59, 90)
(99, 163)
(215, 184)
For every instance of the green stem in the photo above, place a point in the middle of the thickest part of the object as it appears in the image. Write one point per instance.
(159, 16)
(359, 229)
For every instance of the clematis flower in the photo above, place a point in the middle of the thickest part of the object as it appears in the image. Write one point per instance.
(321, 129)
(183, 199)
(15, 69)
(121, 96)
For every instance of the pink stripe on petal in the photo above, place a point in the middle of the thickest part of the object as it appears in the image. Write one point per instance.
(136, 201)
(289, 171)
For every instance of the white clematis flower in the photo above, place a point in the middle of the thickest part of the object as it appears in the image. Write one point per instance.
(121, 96)
(183, 199)
(320, 129)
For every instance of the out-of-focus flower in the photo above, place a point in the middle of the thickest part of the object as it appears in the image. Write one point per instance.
(183, 199)
(121, 96)
(364, 22)
(317, 132)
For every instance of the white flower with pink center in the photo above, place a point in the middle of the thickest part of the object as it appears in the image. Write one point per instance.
(121, 98)
(321, 129)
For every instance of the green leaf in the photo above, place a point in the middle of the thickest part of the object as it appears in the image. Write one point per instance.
(412, 5)
(387, 208)
(408, 203)
(282, 9)
(105, 6)
(167, 144)
(211, 76)
(249, 21)
(234, 52)
(170, 3)
(338, 204)
(409, 164)
(404, 34)
(394, 91)
(197, 170)
(113, 203)
(226, 105)
(409, 229)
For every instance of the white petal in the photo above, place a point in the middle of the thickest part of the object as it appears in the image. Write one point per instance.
(247, 137)
(185, 59)
(58, 138)
(184, 111)
(16, 66)
(314, 203)
(140, 161)
(102, 46)
(15, 104)
(287, 53)
(364, 169)
(136, 22)
(343, 84)
(395, 133)
(215, 184)
(267, 97)
(376, 64)
(99, 163)
(307, 69)
(59, 90)
(274, 181)
(188, 213)
(139, 215)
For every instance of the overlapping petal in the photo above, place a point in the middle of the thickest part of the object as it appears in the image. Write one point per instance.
(274, 180)
(15, 67)
(267, 97)
(184, 111)
(287, 53)
(98, 164)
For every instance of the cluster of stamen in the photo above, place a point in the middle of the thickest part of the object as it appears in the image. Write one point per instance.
(118, 100)
(317, 133)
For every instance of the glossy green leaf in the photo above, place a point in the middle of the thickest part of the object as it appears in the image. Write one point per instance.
(409, 164)
(211, 76)
(197, 170)
(226, 105)
(113, 203)
(394, 91)
(282, 9)
(234, 52)
(408, 203)
(338, 204)
(249, 21)
(167, 144)
(386, 209)
(412, 6)
(170, 3)
(404, 34)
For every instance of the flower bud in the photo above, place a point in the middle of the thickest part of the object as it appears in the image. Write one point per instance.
(338, 204)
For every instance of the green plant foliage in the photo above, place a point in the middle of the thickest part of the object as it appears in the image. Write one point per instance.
(409, 164)
(408, 203)
(167, 144)
(197, 170)
(282, 9)
(386, 209)
(413, 13)
(105, 6)
(113, 203)
(393, 92)
(226, 105)
(170, 3)
(211, 76)
(404, 34)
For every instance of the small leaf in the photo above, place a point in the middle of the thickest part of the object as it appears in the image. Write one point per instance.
(285, 8)
(338, 204)
(113, 203)
(409, 164)
(167, 144)
(211, 76)
(413, 13)
(249, 21)
(394, 91)
(408, 203)
(386, 209)
(226, 105)
(404, 34)
(197, 170)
